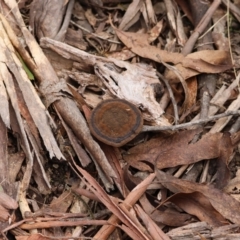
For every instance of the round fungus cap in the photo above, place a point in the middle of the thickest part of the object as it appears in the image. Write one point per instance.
(115, 122)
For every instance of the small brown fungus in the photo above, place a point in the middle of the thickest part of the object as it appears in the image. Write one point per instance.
(115, 122)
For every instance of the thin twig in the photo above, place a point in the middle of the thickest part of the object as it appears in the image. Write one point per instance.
(213, 26)
(175, 109)
(190, 124)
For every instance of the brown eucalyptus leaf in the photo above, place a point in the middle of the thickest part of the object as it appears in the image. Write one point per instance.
(138, 43)
(207, 61)
(177, 149)
(197, 204)
(225, 204)
(170, 218)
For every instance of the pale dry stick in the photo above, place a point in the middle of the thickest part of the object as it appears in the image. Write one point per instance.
(234, 105)
(204, 172)
(221, 123)
(180, 171)
(175, 21)
(218, 94)
(200, 27)
(24, 207)
(190, 124)
(152, 19)
(205, 100)
(131, 15)
(235, 127)
(77, 232)
(165, 99)
(192, 172)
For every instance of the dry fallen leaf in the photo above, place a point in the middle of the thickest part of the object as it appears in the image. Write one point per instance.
(226, 205)
(138, 43)
(207, 61)
(177, 149)
(167, 216)
(197, 204)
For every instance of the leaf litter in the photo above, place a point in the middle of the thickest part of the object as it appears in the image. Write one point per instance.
(178, 178)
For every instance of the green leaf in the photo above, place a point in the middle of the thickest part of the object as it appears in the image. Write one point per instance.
(26, 69)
